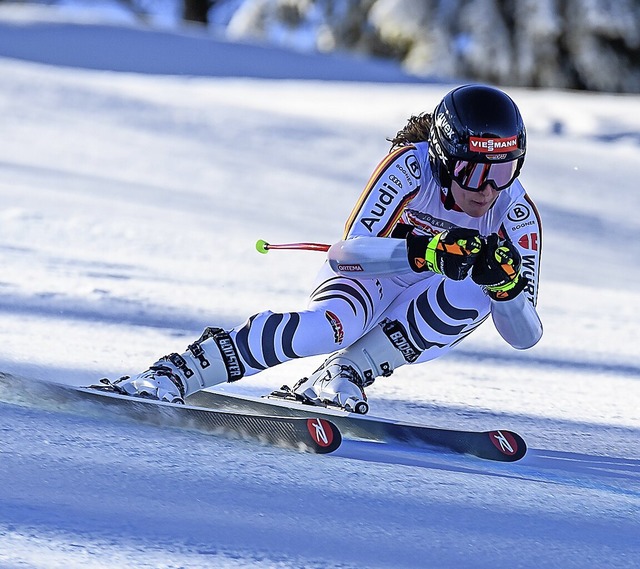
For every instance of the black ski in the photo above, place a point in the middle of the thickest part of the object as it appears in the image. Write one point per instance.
(500, 444)
(308, 432)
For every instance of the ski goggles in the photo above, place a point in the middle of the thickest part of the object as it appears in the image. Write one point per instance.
(473, 176)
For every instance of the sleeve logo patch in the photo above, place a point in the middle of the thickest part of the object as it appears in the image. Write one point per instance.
(518, 212)
(529, 241)
(336, 325)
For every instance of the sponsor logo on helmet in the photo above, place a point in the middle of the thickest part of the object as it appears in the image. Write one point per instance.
(491, 145)
(338, 329)
(443, 124)
(438, 151)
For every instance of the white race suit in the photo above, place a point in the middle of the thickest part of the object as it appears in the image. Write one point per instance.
(430, 312)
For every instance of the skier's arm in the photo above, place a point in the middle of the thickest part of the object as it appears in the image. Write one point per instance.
(517, 321)
(367, 250)
(513, 313)
(369, 257)
(508, 268)
(450, 253)
(393, 184)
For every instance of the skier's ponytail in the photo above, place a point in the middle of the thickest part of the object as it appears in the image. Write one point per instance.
(416, 130)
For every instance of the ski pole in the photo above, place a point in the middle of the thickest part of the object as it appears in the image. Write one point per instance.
(263, 247)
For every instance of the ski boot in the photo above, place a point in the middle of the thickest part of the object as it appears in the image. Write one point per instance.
(161, 382)
(342, 378)
(335, 385)
(209, 361)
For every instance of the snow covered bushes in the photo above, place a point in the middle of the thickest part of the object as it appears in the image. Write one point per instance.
(583, 44)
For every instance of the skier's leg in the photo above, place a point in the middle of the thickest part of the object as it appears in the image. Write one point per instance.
(422, 323)
(210, 360)
(339, 311)
(440, 315)
(341, 379)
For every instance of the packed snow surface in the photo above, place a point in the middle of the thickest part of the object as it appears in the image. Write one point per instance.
(137, 171)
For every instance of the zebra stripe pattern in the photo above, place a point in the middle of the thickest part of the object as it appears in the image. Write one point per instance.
(352, 292)
(423, 319)
(270, 339)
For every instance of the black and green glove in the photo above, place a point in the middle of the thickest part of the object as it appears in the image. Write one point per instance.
(451, 253)
(497, 268)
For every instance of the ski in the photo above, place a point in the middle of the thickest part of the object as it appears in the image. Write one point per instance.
(307, 432)
(498, 445)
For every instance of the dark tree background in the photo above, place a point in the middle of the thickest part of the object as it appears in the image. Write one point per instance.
(565, 44)
(578, 44)
(197, 10)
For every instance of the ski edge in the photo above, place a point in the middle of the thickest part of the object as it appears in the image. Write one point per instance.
(311, 432)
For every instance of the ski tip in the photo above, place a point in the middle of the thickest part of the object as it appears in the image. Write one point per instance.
(262, 246)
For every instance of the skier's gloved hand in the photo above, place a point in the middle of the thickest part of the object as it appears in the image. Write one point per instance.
(450, 253)
(497, 268)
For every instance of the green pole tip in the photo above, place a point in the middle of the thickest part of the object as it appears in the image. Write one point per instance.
(262, 246)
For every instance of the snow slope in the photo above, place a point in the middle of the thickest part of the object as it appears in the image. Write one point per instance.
(132, 196)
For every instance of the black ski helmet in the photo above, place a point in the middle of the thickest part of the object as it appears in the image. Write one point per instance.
(478, 124)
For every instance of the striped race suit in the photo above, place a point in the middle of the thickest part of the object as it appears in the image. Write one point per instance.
(434, 312)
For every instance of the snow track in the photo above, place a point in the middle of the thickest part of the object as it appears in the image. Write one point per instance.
(131, 203)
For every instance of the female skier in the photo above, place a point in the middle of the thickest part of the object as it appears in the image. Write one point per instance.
(443, 236)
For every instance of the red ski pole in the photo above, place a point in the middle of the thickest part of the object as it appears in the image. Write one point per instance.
(263, 247)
